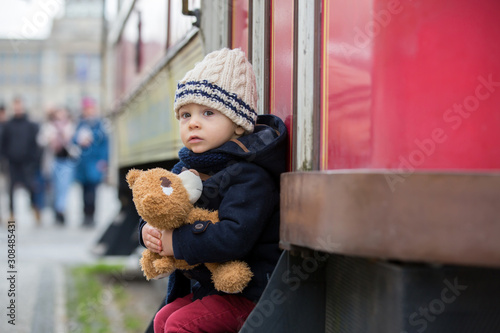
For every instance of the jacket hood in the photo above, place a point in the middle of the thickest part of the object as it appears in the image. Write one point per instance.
(266, 146)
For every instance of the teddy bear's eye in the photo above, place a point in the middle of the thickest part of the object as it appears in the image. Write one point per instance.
(166, 185)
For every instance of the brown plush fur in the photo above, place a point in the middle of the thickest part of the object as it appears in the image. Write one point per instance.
(167, 212)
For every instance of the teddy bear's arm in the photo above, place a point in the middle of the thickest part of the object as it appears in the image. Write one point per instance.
(155, 266)
(200, 214)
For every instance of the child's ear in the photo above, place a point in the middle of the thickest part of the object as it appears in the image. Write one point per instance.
(239, 131)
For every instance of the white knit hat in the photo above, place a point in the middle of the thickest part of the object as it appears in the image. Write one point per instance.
(223, 80)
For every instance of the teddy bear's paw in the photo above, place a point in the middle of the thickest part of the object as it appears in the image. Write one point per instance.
(164, 266)
(148, 268)
(232, 277)
(149, 274)
(182, 264)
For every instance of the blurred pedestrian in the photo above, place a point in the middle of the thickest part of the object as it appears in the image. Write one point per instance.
(60, 157)
(3, 121)
(3, 164)
(92, 138)
(22, 152)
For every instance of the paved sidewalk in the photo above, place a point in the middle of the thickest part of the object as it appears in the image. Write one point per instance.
(41, 253)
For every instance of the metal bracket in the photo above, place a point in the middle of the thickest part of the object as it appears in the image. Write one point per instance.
(196, 12)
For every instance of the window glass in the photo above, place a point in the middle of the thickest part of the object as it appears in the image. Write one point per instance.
(239, 35)
(142, 44)
(180, 24)
(83, 68)
(153, 31)
(281, 66)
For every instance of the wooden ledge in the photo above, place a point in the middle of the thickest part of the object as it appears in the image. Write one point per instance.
(449, 218)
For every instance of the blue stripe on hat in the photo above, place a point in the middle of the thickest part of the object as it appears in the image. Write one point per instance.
(184, 89)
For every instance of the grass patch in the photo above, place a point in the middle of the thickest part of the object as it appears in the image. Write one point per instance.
(131, 321)
(86, 301)
(95, 289)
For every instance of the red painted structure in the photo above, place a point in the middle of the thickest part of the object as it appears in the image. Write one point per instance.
(411, 85)
(281, 66)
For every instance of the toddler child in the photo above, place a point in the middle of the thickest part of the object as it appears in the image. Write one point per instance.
(240, 157)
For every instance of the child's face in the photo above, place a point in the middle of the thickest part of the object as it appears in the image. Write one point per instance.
(203, 128)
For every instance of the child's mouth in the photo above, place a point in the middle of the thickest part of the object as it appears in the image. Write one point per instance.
(194, 139)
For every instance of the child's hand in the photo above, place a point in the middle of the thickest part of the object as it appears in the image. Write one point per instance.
(152, 238)
(166, 240)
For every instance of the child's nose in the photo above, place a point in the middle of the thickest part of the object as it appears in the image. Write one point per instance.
(194, 122)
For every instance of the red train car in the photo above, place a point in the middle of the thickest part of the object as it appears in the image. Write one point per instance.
(390, 206)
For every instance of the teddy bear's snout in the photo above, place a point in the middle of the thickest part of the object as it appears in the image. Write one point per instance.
(153, 202)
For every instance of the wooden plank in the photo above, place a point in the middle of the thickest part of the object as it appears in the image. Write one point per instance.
(450, 218)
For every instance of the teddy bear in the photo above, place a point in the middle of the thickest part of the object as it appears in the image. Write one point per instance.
(166, 201)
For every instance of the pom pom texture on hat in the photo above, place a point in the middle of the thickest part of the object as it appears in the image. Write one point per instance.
(223, 80)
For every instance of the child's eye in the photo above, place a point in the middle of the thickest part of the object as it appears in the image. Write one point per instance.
(185, 115)
(208, 113)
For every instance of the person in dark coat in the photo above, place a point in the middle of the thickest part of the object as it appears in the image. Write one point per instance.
(92, 138)
(3, 121)
(240, 156)
(3, 162)
(23, 154)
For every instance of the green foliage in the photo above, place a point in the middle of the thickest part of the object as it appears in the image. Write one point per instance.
(86, 302)
(92, 291)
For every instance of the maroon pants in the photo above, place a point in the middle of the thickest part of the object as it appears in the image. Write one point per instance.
(211, 314)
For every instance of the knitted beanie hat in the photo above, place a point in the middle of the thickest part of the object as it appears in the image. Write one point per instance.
(223, 80)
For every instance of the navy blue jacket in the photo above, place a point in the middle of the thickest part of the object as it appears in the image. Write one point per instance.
(246, 194)
(19, 144)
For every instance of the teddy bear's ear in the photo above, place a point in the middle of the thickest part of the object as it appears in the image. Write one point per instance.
(132, 176)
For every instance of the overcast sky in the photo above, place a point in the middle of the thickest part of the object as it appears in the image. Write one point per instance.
(28, 18)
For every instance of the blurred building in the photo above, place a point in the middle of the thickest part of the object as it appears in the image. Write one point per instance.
(60, 69)
(21, 72)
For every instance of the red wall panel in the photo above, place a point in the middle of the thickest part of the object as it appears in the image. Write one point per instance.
(411, 85)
